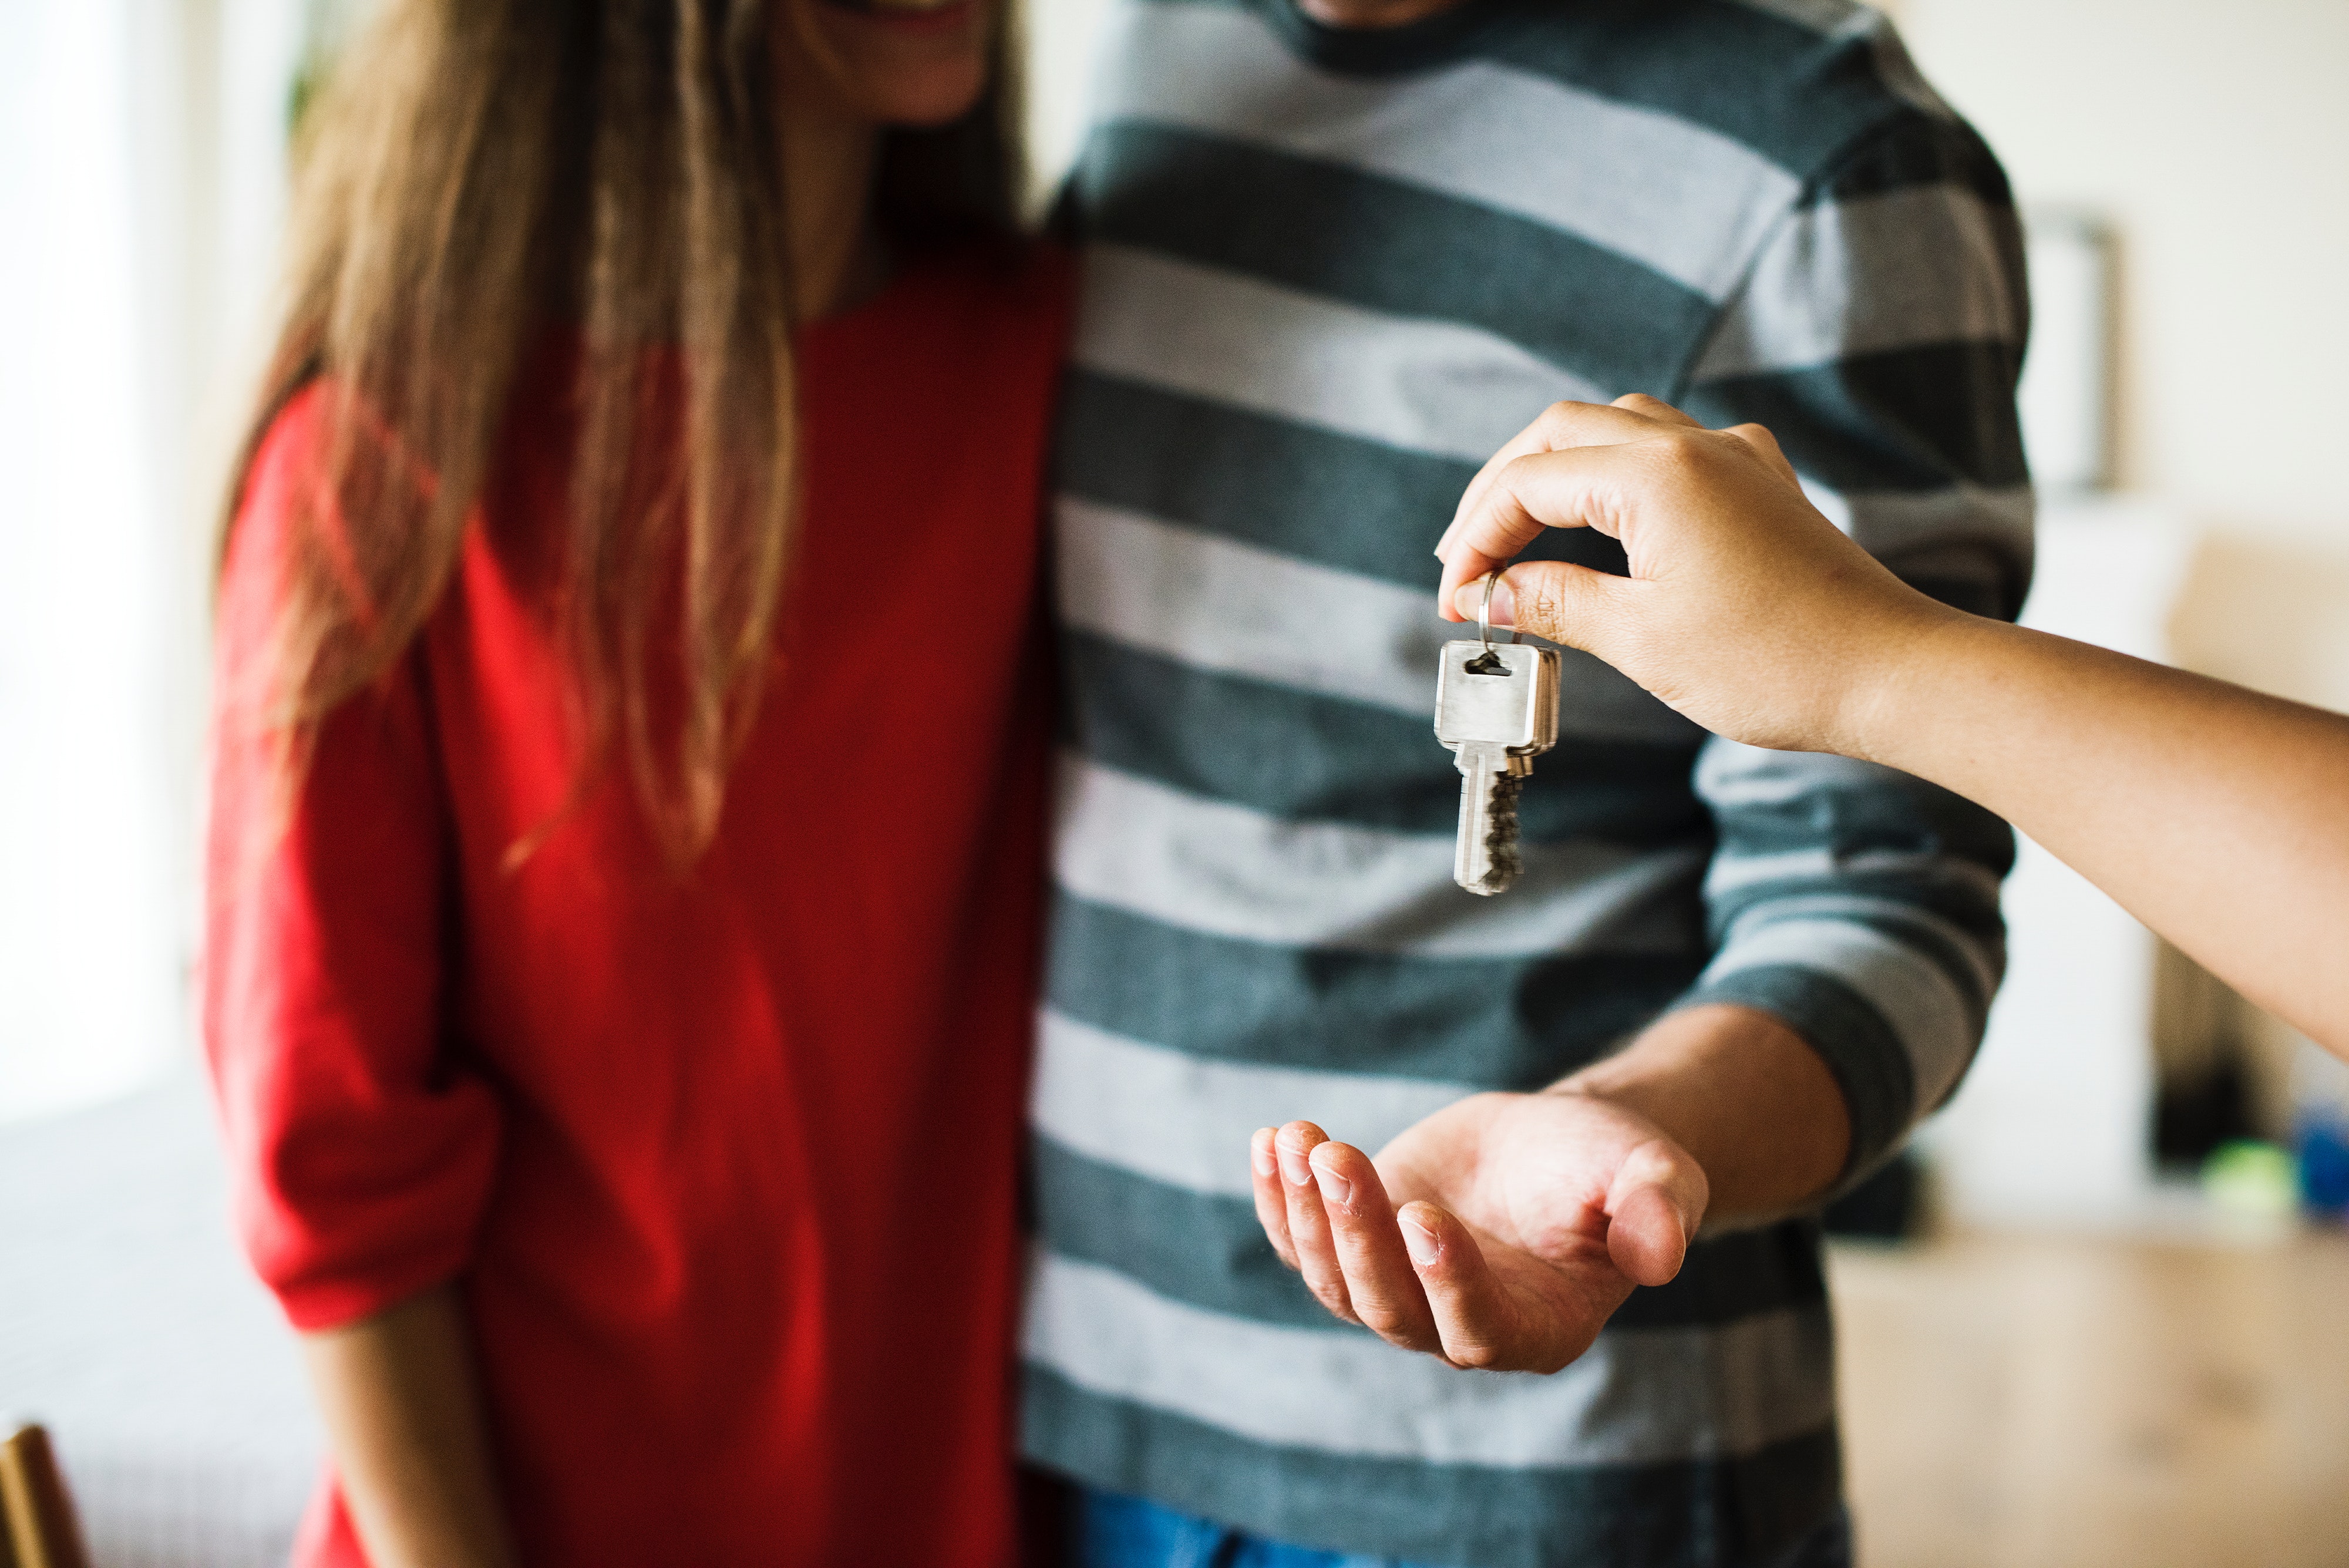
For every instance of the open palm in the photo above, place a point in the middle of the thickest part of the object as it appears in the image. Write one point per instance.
(1502, 1231)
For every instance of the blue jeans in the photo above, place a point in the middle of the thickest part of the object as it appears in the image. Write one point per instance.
(1114, 1531)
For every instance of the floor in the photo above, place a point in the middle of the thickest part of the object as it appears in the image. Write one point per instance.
(2053, 1402)
(130, 1325)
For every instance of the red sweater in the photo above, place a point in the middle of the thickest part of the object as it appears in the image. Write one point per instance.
(724, 1164)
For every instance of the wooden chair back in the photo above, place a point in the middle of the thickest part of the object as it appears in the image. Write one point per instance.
(37, 1527)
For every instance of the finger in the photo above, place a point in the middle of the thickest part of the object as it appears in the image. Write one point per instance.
(1271, 1204)
(1379, 1283)
(1574, 488)
(1759, 438)
(1473, 1321)
(1555, 600)
(1559, 427)
(1656, 409)
(1653, 1209)
(1308, 1226)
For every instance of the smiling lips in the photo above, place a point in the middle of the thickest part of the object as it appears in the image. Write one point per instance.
(907, 10)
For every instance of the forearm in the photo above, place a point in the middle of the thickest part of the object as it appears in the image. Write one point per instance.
(2218, 816)
(404, 1414)
(1743, 1095)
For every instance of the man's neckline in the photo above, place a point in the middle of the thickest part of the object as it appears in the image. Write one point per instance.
(1431, 41)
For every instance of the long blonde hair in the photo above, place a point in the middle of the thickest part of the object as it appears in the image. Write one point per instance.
(473, 172)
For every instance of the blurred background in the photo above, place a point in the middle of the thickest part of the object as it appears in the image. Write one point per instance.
(2102, 1318)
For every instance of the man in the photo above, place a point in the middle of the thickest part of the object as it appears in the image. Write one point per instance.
(1335, 257)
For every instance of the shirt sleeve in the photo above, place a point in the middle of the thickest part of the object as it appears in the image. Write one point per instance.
(1879, 336)
(361, 1151)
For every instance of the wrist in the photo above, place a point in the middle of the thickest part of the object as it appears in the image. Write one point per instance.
(1740, 1094)
(1892, 675)
(1642, 1095)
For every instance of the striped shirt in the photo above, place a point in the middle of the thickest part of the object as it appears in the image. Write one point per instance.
(1327, 273)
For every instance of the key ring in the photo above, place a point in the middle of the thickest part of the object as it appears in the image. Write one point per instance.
(1484, 612)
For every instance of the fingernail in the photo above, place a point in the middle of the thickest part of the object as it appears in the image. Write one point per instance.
(1335, 1188)
(1294, 1167)
(1421, 1243)
(1260, 1153)
(1469, 598)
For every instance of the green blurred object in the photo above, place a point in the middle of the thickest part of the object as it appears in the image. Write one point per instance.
(2249, 1177)
(326, 27)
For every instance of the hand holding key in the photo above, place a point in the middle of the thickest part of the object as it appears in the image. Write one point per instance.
(1500, 1232)
(1745, 609)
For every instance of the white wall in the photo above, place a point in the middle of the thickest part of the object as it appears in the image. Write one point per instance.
(89, 991)
(2214, 136)
(141, 151)
(1062, 38)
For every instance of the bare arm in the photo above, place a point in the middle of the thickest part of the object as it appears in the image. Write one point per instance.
(2218, 816)
(403, 1411)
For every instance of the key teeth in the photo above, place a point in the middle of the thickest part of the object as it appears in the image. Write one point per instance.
(1503, 861)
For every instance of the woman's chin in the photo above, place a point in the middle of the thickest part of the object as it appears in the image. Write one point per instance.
(906, 65)
(935, 99)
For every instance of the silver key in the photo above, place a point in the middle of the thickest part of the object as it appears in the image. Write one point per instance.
(1496, 708)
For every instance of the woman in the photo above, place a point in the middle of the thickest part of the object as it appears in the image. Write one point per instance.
(624, 848)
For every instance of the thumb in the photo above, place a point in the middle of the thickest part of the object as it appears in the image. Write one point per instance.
(1555, 599)
(1653, 1209)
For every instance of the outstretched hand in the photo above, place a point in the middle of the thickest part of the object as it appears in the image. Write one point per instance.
(1745, 609)
(1501, 1232)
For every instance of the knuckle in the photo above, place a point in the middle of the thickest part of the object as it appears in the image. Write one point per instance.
(1517, 475)
(1336, 1301)
(1685, 450)
(1540, 602)
(1478, 1355)
(1407, 1336)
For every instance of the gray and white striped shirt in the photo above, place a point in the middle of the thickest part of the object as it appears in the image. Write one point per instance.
(1326, 274)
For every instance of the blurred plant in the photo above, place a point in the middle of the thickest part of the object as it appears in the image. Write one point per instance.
(2251, 1179)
